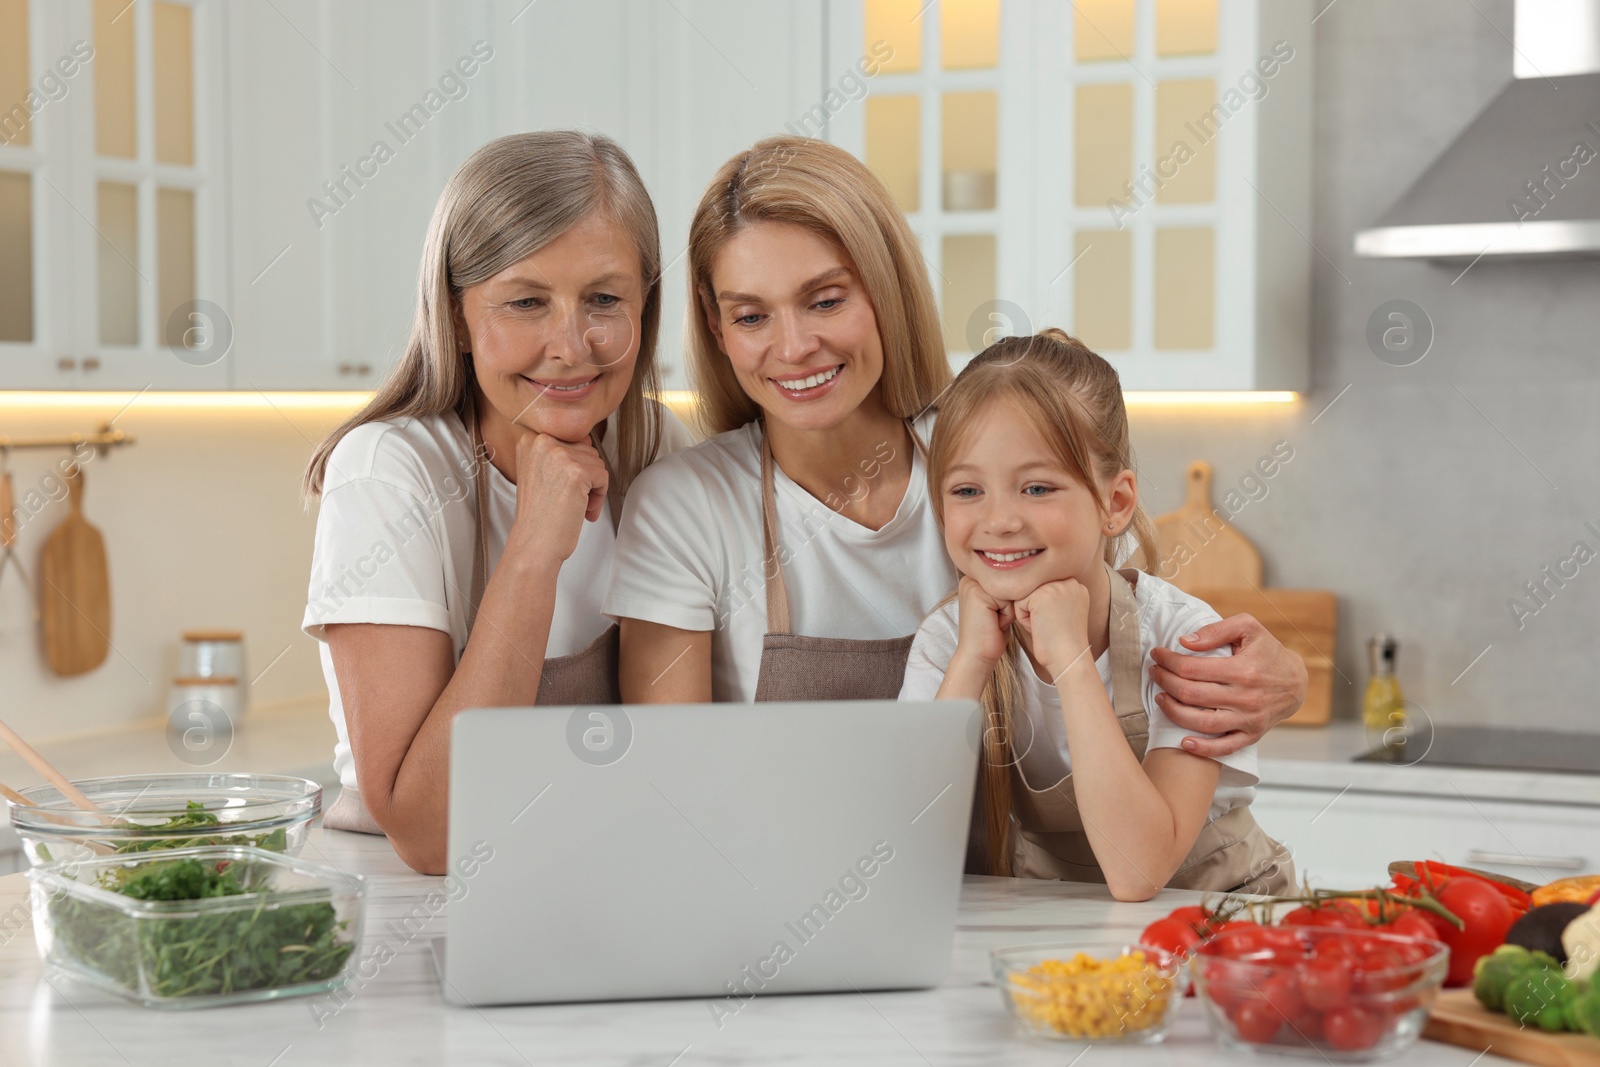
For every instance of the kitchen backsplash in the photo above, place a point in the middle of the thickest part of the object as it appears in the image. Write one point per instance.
(1433, 498)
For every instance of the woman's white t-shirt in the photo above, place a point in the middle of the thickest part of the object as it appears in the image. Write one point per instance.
(1166, 613)
(397, 532)
(690, 555)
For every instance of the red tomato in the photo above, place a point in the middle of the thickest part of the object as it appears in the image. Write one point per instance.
(1193, 914)
(1487, 916)
(1240, 940)
(1381, 970)
(1256, 1021)
(1170, 935)
(1283, 994)
(1343, 913)
(1334, 948)
(1325, 983)
(1302, 916)
(1308, 1024)
(1224, 987)
(1283, 944)
(1350, 1029)
(1413, 924)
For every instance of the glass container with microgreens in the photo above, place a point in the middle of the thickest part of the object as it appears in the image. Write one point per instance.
(154, 812)
(184, 928)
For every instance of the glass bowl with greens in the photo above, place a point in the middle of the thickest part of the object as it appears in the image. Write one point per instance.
(155, 812)
(195, 927)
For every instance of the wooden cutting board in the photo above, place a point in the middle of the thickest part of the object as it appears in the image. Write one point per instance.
(1198, 547)
(74, 590)
(1305, 621)
(1458, 1019)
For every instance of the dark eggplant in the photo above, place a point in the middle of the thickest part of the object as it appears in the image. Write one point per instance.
(1540, 929)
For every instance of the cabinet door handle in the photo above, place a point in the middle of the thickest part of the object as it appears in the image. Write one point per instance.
(365, 368)
(1517, 859)
(66, 364)
(91, 363)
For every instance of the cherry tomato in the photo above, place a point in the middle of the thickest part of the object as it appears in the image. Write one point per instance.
(1302, 916)
(1283, 993)
(1413, 924)
(1487, 916)
(1240, 940)
(1256, 1021)
(1381, 970)
(1325, 983)
(1223, 986)
(1193, 914)
(1283, 945)
(1343, 913)
(1308, 1024)
(1170, 935)
(1350, 1029)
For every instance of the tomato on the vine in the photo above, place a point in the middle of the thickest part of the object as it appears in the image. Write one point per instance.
(1170, 935)
(1413, 923)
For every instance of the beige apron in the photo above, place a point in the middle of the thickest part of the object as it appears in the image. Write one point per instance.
(818, 668)
(586, 677)
(1231, 853)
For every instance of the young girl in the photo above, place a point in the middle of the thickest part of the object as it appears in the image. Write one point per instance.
(1083, 776)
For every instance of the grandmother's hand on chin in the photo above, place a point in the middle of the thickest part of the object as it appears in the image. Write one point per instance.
(1238, 697)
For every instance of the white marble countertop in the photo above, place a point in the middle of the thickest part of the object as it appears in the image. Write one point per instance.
(399, 1017)
(1320, 757)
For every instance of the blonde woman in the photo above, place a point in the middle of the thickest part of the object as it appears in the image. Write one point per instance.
(794, 554)
(467, 518)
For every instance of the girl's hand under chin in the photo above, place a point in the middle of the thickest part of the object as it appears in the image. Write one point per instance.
(985, 625)
(1055, 617)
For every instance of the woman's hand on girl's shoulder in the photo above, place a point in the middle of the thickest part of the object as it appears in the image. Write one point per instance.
(985, 625)
(1056, 617)
(560, 485)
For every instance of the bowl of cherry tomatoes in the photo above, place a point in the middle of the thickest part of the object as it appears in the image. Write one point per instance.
(1331, 993)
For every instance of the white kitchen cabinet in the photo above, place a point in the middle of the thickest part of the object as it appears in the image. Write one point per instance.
(125, 220)
(1137, 171)
(327, 131)
(1347, 840)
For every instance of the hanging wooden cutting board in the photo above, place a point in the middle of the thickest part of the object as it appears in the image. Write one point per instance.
(1457, 1018)
(1198, 547)
(74, 590)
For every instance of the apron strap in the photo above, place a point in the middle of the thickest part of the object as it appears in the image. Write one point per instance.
(776, 588)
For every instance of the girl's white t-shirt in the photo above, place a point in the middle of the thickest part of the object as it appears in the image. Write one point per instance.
(397, 531)
(1166, 613)
(690, 555)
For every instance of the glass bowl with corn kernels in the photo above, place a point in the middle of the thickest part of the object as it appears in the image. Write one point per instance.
(1090, 994)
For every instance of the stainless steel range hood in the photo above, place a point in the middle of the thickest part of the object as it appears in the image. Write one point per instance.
(1523, 179)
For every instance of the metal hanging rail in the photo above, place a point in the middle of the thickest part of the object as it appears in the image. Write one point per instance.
(103, 438)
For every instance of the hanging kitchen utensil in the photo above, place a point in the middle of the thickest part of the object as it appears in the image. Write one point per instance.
(46, 768)
(75, 590)
(1198, 547)
(8, 530)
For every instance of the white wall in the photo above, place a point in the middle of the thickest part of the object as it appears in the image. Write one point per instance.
(203, 528)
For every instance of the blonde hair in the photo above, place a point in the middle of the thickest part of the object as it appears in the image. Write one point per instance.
(509, 199)
(1073, 398)
(826, 190)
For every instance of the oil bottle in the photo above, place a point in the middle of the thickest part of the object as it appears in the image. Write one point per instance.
(1384, 707)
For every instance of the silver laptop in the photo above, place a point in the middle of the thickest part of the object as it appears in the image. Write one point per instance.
(711, 850)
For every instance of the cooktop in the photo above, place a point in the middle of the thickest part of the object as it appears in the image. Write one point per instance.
(1499, 748)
